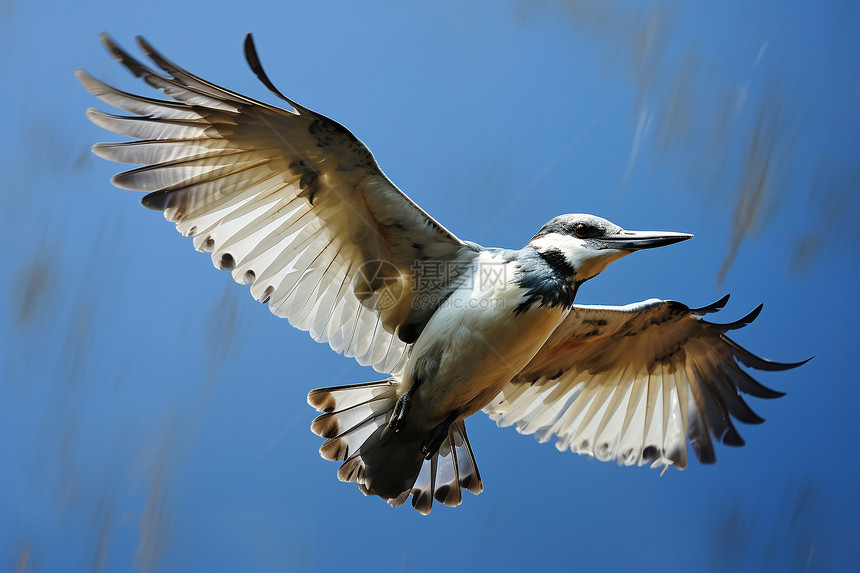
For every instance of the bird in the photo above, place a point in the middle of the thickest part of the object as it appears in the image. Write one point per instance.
(291, 203)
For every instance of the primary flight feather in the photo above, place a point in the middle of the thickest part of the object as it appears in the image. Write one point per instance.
(293, 204)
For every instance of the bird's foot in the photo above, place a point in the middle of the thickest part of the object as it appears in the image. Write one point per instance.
(434, 439)
(401, 410)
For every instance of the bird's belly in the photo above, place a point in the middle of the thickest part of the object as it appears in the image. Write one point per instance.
(469, 350)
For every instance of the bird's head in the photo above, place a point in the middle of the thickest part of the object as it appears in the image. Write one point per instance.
(585, 245)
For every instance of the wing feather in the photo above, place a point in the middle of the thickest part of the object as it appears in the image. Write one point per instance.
(636, 384)
(609, 430)
(133, 103)
(289, 201)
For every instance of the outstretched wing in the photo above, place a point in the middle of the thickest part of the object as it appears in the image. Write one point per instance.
(288, 201)
(633, 383)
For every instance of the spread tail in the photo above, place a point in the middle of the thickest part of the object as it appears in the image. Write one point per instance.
(387, 463)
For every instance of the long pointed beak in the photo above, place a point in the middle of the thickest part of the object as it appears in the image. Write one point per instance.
(636, 240)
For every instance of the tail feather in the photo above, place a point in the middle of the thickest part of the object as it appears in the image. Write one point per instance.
(342, 397)
(424, 486)
(447, 474)
(338, 447)
(333, 424)
(400, 499)
(469, 476)
(352, 414)
(387, 463)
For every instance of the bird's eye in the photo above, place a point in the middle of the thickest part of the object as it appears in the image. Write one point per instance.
(581, 230)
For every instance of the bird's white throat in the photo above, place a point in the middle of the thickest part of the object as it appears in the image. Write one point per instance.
(581, 255)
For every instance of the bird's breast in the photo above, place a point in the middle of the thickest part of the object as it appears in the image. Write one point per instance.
(473, 345)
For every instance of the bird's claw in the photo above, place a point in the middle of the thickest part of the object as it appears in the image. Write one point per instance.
(401, 410)
(437, 435)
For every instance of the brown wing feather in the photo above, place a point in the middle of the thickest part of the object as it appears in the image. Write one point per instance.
(288, 201)
(635, 383)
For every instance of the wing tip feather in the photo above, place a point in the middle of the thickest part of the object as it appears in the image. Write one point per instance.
(256, 66)
(713, 307)
(741, 322)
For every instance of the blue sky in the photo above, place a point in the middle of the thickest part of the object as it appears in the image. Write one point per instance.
(153, 416)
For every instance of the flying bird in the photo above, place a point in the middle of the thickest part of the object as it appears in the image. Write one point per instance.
(293, 204)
